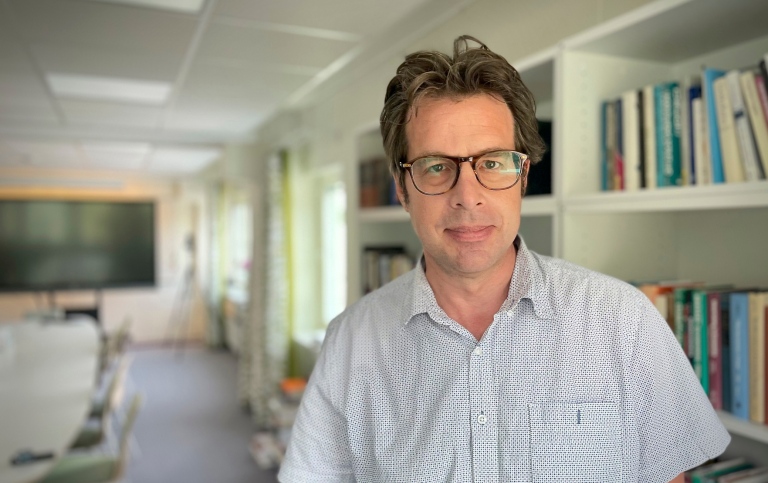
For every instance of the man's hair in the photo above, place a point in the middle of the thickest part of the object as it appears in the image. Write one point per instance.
(471, 71)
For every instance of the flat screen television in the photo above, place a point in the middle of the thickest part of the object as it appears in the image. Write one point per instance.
(64, 245)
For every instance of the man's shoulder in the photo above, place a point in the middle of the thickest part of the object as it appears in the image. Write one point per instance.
(381, 309)
(570, 282)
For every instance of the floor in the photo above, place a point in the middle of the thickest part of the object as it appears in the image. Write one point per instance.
(191, 428)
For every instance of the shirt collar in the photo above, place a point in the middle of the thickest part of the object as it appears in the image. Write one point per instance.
(529, 281)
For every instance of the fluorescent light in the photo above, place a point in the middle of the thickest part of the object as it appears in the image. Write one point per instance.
(109, 88)
(186, 6)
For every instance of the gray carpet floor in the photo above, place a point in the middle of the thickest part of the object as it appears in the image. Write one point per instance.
(191, 428)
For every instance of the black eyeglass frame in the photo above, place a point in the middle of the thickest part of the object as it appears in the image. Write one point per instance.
(472, 160)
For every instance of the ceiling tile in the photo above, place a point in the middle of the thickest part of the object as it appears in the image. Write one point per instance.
(181, 160)
(102, 25)
(215, 119)
(102, 155)
(261, 46)
(47, 154)
(247, 85)
(362, 17)
(103, 62)
(22, 93)
(112, 114)
(187, 6)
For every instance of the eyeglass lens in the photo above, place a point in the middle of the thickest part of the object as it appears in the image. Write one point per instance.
(496, 170)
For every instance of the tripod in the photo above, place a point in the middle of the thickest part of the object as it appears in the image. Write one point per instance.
(178, 324)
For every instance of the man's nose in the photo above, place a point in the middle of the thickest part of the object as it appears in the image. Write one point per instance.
(468, 192)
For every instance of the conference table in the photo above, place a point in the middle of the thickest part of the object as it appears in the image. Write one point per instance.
(48, 374)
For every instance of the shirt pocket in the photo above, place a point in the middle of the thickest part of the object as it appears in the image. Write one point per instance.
(575, 442)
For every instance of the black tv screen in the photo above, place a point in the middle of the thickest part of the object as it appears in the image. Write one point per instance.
(59, 245)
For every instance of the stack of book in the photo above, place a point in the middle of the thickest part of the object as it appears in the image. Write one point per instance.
(383, 264)
(377, 187)
(723, 332)
(736, 470)
(708, 129)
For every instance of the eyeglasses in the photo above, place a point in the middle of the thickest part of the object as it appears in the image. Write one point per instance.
(495, 170)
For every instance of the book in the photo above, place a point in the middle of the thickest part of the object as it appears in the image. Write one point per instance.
(733, 166)
(708, 77)
(694, 94)
(716, 355)
(683, 297)
(761, 84)
(756, 117)
(753, 170)
(752, 475)
(609, 144)
(700, 337)
(618, 153)
(757, 356)
(667, 106)
(630, 122)
(702, 160)
(649, 137)
(739, 331)
(710, 473)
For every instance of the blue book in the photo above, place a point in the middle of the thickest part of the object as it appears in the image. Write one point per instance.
(694, 92)
(739, 327)
(708, 77)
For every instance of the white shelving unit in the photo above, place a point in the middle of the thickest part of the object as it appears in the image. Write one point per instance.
(716, 234)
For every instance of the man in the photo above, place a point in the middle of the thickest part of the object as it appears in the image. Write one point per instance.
(489, 362)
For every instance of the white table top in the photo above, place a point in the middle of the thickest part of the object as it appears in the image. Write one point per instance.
(47, 376)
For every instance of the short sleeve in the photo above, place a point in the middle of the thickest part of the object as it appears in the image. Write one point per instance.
(677, 427)
(318, 450)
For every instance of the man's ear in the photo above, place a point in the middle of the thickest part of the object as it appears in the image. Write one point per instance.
(524, 177)
(400, 190)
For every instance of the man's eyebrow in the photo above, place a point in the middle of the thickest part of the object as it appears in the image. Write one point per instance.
(442, 154)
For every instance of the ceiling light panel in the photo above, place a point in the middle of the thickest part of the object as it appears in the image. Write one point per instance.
(186, 6)
(108, 88)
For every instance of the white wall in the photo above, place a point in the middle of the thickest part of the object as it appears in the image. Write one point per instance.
(148, 308)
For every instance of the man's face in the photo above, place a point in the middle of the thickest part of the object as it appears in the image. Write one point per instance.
(469, 230)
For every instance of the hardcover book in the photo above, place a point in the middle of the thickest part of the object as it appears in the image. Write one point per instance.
(708, 77)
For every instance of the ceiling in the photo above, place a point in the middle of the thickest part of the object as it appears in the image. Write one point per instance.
(158, 86)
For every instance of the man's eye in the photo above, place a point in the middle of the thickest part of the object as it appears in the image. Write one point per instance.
(436, 168)
(491, 164)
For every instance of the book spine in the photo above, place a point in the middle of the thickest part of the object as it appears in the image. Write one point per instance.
(732, 163)
(725, 349)
(679, 298)
(715, 350)
(756, 358)
(676, 177)
(701, 144)
(748, 150)
(756, 117)
(739, 354)
(699, 337)
(618, 174)
(605, 154)
(641, 140)
(694, 93)
(649, 139)
(663, 107)
(713, 131)
(631, 140)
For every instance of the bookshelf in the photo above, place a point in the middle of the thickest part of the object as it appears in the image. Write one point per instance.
(715, 233)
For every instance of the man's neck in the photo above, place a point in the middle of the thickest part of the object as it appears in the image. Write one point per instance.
(472, 301)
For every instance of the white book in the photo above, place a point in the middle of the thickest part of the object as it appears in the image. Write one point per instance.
(649, 120)
(733, 168)
(701, 143)
(752, 170)
(630, 125)
(756, 117)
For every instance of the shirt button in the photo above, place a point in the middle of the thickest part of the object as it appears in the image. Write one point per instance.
(478, 351)
(482, 419)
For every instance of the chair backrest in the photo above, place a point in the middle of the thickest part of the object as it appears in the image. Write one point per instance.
(125, 435)
(115, 389)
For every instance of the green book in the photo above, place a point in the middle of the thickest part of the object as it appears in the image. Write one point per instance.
(710, 473)
(700, 338)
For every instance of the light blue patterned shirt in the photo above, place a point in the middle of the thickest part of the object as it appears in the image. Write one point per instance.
(577, 379)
